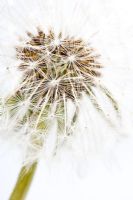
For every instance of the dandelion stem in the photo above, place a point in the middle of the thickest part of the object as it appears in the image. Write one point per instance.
(23, 183)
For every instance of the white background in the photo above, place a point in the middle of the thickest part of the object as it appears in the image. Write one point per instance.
(107, 177)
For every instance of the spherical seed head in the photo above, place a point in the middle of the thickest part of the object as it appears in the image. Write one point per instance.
(60, 66)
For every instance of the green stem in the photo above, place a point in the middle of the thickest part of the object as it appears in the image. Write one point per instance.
(23, 183)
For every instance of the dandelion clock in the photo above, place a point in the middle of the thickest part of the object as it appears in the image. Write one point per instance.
(53, 91)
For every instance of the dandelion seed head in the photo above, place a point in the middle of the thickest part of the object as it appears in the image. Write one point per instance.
(51, 58)
(56, 70)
